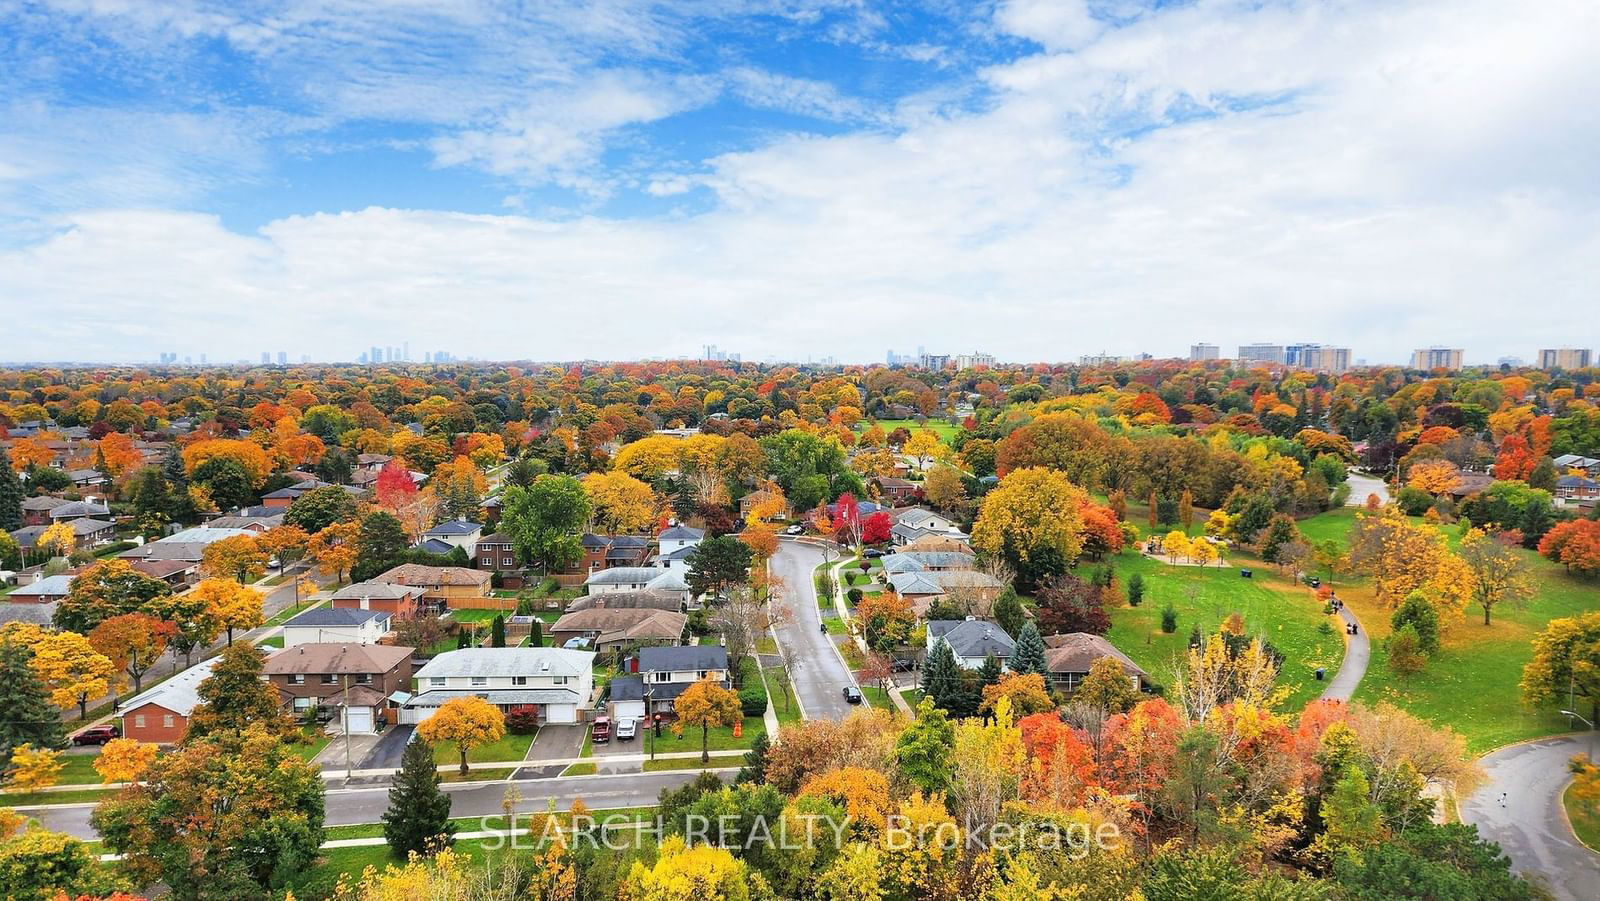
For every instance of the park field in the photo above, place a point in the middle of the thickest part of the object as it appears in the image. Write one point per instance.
(1471, 685)
(943, 428)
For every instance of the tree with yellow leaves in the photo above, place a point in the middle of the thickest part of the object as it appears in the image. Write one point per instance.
(1398, 556)
(707, 705)
(239, 557)
(230, 605)
(699, 873)
(649, 458)
(1177, 546)
(923, 446)
(58, 540)
(1030, 517)
(1495, 573)
(124, 760)
(460, 487)
(1217, 675)
(469, 722)
(1025, 691)
(1436, 477)
(621, 502)
(863, 793)
(30, 451)
(247, 454)
(33, 768)
(989, 760)
(71, 669)
(335, 549)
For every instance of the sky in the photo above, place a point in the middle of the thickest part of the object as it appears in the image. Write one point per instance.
(623, 179)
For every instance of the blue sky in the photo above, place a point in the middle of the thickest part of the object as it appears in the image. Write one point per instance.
(1034, 178)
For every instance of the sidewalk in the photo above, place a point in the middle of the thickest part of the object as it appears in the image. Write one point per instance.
(843, 611)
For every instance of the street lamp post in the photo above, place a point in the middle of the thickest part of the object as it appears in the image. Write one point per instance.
(1586, 722)
(647, 724)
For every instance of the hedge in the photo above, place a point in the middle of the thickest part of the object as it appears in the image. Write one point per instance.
(752, 693)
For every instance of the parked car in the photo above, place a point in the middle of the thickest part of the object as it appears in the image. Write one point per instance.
(626, 729)
(601, 732)
(902, 665)
(852, 694)
(97, 735)
(795, 530)
(872, 553)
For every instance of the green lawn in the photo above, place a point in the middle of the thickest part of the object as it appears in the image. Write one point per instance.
(1585, 819)
(835, 625)
(1285, 614)
(1471, 684)
(79, 769)
(310, 750)
(691, 763)
(940, 427)
(481, 774)
(718, 739)
(291, 611)
(275, 641)
(877, 697)
(783, 704)
(511, 747)
(76, 796)
(581, 769)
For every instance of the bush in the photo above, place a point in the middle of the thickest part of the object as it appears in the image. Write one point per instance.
(1169, 618)
(496, 580)
(525, 606)
(1135, 590)
(698, 623)
(522, 722)
(549, 586)
(1413, 501)
(854, 595)
(752, 693)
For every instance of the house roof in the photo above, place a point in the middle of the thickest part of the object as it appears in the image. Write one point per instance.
(438, 696)
(179, 694)
(626, 688)
(436, 546)
(247, 522)
(48, 587)
(919, 561)
(687, 657)
(627, 622)
(202, 535)
(1576, 460)
(615, 600)
(649, 576)
(419, 574)
(591, 540)
(40, 614)
(972, 638)
(336, 657)
(377, 589)
(455, 527)
(495, 538)
(681, 533)
(331, 617)
(914, 583)
(1575, 482)
(162, 569)
(508, 662)
(79, 508)
(1075, 652)
(43, 502)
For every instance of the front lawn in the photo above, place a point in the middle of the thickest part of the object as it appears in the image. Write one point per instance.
(720, 739)
(781, 693)
(511, 747)
(877, 697)
(943, 428)
(1585, 819)
(79, 769)
(691, 763)
(75, 796)
(1286, 614)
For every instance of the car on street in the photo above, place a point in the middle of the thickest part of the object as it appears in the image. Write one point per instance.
(97, 735)
(852, 694)
(795, 530)
(626, 729)
(872, 553)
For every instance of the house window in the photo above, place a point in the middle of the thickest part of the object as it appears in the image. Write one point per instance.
(138, 721)
(436, 681)
(364, 679)
(560, 680)
(330, 679)
(166, 721)
(519, 680)
(480, 681)
(297, 679)
(302, 704)
(508, 561)
(701, 674)
(663, 677)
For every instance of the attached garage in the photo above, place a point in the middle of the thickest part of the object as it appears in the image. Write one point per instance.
(358, 720)
(552, 705)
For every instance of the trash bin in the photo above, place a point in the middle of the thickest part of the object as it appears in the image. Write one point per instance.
(1316, 583)
(1245, 574)
(1320, 672)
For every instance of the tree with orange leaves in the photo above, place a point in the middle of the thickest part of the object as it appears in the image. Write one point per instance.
(334, 548)
(1026, 692)
(1436, 477)
(1516, 460)
(28, 452)
(1061, 765)
(238, 557)
(116, 454)
(863, 793)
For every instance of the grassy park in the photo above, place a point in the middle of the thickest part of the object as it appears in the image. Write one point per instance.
(943, 428)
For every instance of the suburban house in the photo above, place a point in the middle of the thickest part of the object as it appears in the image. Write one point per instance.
(497, 553)
(894, 491)
(188, 545)
(620, 628)
(922, 589)
(666, 671)
(350, 625)
(172, 572)
(86, 478)
(1576, 489)
(971, 640)
(626, 550)
(1068, 658)
(47, 590)
(554, 683)
(397, 600)
(36, 510)
(243, 520)
(616, 600)
(1470, 483)
(355, 678)
(625, 699)
(926, 561)
(439, 583)
(675, 544)
(160, 715)
(919, 522)
(937, 543)
(1576, 463)
(637, 578)
(759, 496)
(457, 533)
(86, 533)
(284, 497)
(78, 510)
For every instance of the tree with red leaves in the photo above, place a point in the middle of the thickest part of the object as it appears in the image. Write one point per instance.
(847, 520)
(1069, 604)
(394, 488)
(1061, 765)
(875, 528)
(1516, 460)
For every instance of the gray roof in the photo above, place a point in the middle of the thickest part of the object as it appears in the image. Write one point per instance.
(43, 502)
(650, 576)
(508, 662)
(436, 546)
(377, 590)
(1075, 652)
(688, 657)
(180, 694)
(1575, 460)
(203, 535)
(973, 638)
(79, 508)
(919, 561)
(1575, 482)
(627, 688)
(438, 696)
(616, 600)
(336, 616)
(455, 527)
(926, 583)
(38, 614)
(682, 533)
(49, 586)
(245, 522)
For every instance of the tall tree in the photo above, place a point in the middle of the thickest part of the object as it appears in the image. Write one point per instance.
(319, 508)
(133, 642)
(922, 749)
(1497, 574)
(26, 715)
(467, 722)
(941, 677)
(546, 520)
(1566, 662)
(11, 495)
(706, 705)
(381, 539)
(72, 669)
(1032, 514)
(418, 818)
(231, 605)
(106, 589)
(1029, 654)
(717, 564)
(235, 697)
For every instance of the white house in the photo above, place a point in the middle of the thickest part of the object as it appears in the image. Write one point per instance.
(638, 578)
(459, 533)
(665, 672)
(675, 545)
(971, 640)
(347, 625)
(555, 683)
(919, 522)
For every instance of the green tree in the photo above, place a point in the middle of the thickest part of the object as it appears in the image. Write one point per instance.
(1535, 521)
(1135, 589)
(545, 521)
(1029, 654)
(382, 538)
(1566, 660)
(1280, 531)
(235, 697)
(11, 495)
(989, 672)
(26, 715)
(717, 564)
(1406, 656)
(39, 864)
(497, 632)
(418, 818)
(108, 588)
(923, 749)
(226, 480)
(1353, 822)
(941, 676)
(319, 508)
(1107, 687)
(1430, 861)
(1008, 611)
(1418, 612)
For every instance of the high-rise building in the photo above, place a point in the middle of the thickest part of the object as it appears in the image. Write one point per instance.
(405, 351)
(1204, 352)
(266, 358)
(934, 362)
(1261, 353)
(375, 355)
(1565, 358)
(1322, 358)
(976, 358)
(283, 358)
(305, 358)
(1100, 359)
(1431, 358)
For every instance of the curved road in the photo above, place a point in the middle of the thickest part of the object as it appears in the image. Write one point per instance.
(1357, 653)
(1529, 823)
(819, 676)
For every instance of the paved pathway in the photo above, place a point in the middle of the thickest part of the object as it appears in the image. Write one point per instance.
(1520, 807)
(1357, 653)
(815, 668)
(1362, 485)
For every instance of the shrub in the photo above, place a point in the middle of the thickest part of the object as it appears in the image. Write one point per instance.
(1169, 618)
(1413, 501)
(522, 722)
(698, 623)
(854, 596)
(752, 699)
(549, 586)
(496, 580)
(1135, 590)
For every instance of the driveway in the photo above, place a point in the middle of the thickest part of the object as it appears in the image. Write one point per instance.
(819, 676)
(552, 743)
(386, 754)
(1363, 485)
(1520, 807)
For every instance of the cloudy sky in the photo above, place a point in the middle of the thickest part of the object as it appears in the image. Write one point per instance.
(619, 179)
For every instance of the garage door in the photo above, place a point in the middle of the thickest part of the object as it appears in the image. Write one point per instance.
(359, 719)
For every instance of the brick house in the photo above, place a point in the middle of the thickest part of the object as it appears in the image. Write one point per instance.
(355, 678)
(496, 554)
(160, 715)
(400, 601)
(439, 583)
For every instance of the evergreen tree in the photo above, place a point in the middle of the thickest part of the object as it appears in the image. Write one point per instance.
(989, 673)
(463, 639)
(1008, 612)
(10, 495)
(26, 715)
(1029, 654)
(1415, 611)
(755, 761)
(536, 634)
(497, 632)
(234, 696)
(941, 675)
(1536, 520)
(418, 818)
(1135, 589)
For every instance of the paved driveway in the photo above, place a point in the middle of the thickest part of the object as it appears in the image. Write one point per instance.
(387, 752)
(1520, 807)
(819, 676)
(552, 743)
(1363, 485)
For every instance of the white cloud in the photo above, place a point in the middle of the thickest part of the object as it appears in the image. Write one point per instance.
(1381, 175)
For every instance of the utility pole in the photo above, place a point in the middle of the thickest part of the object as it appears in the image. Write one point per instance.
(349, 768)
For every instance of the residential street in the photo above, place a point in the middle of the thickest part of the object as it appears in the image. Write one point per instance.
(1529, 823)
(366, 805)
(1363, 485)
(819, 676)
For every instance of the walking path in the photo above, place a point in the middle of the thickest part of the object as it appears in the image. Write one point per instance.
(1357, 653)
